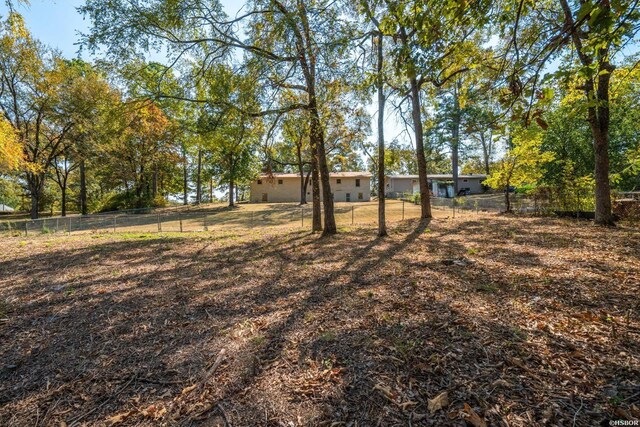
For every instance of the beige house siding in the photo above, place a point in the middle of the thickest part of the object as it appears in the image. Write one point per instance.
(400, 185)
(287, 189)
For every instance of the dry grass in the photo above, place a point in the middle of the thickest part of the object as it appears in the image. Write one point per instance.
(527, 321)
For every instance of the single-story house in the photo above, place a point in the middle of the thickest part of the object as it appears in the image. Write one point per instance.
(285, 187)
(441, 185)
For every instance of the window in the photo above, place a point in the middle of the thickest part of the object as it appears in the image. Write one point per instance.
(414, 181)
(279, 181)
(259, 182)
(465, 180)
(348, 197)
(360, 196)
(357, 183)
(338, 181)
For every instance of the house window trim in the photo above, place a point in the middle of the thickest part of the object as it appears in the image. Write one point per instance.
(259, 182)
(280, 182)
(357, 182)
(338, 180)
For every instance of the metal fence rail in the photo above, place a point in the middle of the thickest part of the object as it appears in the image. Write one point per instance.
(206, 218)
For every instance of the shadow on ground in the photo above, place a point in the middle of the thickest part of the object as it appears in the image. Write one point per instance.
(534, 324)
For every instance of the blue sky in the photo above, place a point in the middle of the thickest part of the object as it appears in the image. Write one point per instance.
(54, 22)
(58, 24)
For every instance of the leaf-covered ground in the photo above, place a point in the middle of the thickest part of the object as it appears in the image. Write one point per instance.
(495, 321)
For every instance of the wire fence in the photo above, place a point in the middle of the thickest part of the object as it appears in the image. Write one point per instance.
(203, 218)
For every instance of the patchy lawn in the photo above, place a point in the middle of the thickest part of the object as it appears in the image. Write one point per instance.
(515, 322)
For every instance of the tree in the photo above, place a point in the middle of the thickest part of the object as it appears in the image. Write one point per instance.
(432, 48)
(294, 44)
(522, 164)
(596, 31)
(28, 97)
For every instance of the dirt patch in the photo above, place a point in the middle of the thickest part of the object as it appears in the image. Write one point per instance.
(541, 326)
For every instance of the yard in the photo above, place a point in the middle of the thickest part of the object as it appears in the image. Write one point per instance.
(217, 216)
(477, 319)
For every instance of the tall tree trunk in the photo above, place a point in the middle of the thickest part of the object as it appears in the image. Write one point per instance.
(317, 133)
(425, 200)
(211, 190)
(199, 178)
(455, 137)
(599, 122)
(507, 199)
(598, 115)
(231, 192)
(303, 189)
(83, 188)
(382, 225)
(486, 151)
(63, 201)
(185, 177)
(154, 182)
(315, 192)
(36, 190)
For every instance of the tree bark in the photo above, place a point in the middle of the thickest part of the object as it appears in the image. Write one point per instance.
(83, 188)
(598, 115)
(63, 202)
(303, 186)
(36, 189)
(382, 225)
(199, 179)
(599, 122)
(154, 182)
(185, 177)
(425, 200)
(330, 227)
(455, 137)
(507, 199)
(231, 192)
(315, 193)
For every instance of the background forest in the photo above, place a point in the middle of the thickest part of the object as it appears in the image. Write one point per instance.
(539, 95)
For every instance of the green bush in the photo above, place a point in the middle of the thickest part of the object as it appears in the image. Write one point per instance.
(127, 200)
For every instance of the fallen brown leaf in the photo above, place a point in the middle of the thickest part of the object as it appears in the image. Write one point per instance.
(438, 402)
(472, 417)
(118, 418)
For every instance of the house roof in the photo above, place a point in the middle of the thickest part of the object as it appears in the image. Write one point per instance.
(438, 176)
(332, 175)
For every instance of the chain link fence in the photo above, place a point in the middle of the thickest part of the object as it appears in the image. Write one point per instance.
(203, 218)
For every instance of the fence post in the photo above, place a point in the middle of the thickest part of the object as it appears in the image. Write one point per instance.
(180, 219)
(26, 229)
(403, 210)
(251, 219)
(69, 226)
(204, 222)
(57, 224)
(159, 225)
(302, 215)
(115, 222)
(352, 214)
(453, 206)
